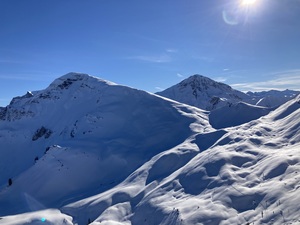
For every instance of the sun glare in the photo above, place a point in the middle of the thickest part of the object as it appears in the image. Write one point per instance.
(248, 2)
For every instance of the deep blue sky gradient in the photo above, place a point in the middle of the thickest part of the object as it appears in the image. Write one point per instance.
(149, 45)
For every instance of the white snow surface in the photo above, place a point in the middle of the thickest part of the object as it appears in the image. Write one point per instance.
(47, 217)
(207, 94)
(272, 98)
(109, 154)
(203, 92)
(236, 114)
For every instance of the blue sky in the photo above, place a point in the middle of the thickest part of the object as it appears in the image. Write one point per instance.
(149, 45)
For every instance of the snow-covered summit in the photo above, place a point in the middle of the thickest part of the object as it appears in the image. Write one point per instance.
(65, 81)
(67, 87)
(207, 94)
(203, 92)
(99, 125)
(93, 152)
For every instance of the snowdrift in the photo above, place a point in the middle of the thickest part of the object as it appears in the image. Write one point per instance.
(109, 154)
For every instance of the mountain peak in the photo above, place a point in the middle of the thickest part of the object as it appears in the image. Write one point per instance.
(67, 88)
(133, 150)
(198, 77)
(201, 83)
(65, 81)
(203, 92)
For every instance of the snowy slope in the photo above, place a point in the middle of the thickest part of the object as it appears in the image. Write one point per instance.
(236, 114)
(49, 217)
(88, 135)
(203, 92)
(272, 98)
(244, 175)
(141, 159)
(207, 94)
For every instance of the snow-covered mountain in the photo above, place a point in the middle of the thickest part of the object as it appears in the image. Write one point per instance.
(102, 129)
(272, 98)
(203, 92)
(88, 151)
(207, 94)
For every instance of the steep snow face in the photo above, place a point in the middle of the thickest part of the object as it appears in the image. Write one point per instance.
(203, 93)
(81, 136)
(236, 114)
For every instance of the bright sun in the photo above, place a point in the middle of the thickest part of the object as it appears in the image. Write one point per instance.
(248, 2)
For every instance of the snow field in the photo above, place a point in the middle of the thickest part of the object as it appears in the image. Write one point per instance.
(122, 156)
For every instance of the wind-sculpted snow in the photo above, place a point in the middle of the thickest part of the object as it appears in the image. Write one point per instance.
(105, 131)
(134, 158)
(241, 179)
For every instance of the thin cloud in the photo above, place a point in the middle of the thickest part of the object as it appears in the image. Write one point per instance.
(159, 88)
(163, 58)
(172, 50)
(283, 80)
(220, 79)
(179, 75)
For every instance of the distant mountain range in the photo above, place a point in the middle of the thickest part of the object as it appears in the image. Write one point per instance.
(207, 94)
(89, 151)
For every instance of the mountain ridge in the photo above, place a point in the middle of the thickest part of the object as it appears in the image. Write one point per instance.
(88, 151)
(80, 112)
(203, 92)
(207, 94)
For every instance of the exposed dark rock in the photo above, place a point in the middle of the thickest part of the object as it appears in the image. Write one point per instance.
(215, 100)
(66, 83)
(42, 132)
(3, 111)
(12, 114)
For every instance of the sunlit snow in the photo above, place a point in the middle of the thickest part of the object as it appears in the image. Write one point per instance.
(88, 151)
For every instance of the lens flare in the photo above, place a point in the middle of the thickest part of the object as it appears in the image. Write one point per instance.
(230, 18)
(248, 2)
